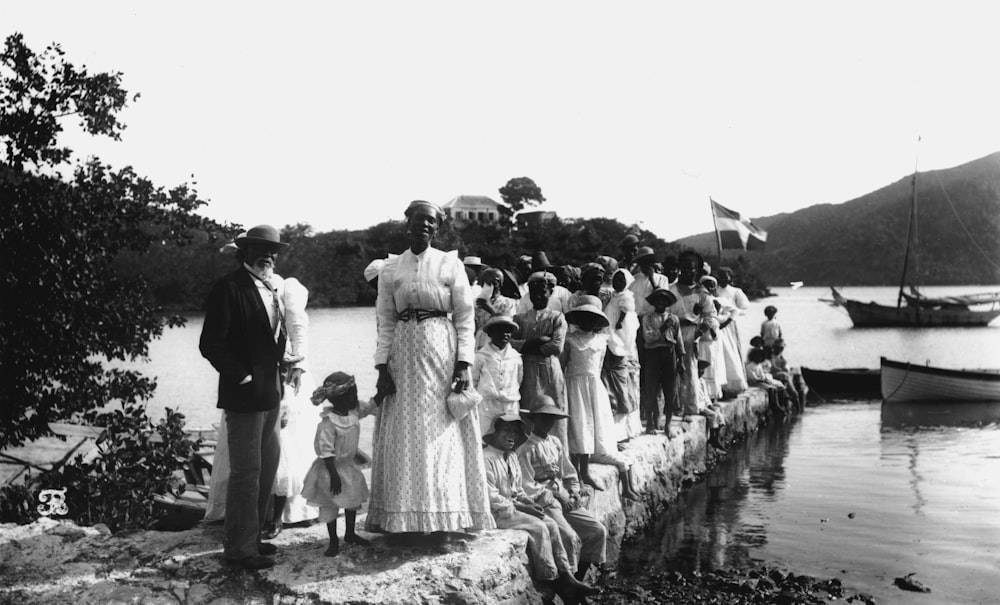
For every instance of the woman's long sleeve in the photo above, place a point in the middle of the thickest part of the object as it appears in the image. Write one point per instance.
(385, 311)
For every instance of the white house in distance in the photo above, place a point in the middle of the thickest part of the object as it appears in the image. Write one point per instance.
(472, 208)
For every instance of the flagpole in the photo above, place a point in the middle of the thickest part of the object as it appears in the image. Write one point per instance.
(718, 236)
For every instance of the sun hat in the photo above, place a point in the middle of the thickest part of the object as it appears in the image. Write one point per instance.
(500, 320)
(662, 293)
(544, 404)
(643, 253)
(708, 279)
(510, 417)
(374, 268)
(588, 306)
(265, 235)
(472, 261)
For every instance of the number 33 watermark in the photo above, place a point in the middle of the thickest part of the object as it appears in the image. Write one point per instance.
(53, 502)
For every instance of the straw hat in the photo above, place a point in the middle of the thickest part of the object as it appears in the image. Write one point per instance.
(588, 306)
(472, 261)
(500, 320)
(545, 405)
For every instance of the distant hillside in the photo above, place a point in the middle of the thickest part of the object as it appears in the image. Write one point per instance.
(862, 242)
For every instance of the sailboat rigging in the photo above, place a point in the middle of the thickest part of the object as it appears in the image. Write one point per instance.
(913, 309)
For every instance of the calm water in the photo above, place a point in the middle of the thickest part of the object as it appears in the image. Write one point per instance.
(923, 500)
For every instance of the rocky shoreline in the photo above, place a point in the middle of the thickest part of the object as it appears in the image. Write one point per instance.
(52, 561)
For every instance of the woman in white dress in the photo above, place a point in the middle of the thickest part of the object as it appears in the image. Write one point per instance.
(734, 303)
(428, 473)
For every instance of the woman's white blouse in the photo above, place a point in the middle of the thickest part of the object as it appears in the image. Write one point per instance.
(432, 280)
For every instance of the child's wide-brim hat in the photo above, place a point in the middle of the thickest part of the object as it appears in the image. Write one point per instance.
(510, 417)
(547, 409)
(500, 320)
(663, 293)
(590, 306)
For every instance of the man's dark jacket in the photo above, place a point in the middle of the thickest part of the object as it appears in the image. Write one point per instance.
(237, 339)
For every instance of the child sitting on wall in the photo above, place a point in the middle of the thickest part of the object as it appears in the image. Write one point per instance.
(758, 375)
(546, 469)
(514, 509)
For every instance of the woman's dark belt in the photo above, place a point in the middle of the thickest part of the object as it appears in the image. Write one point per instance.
(420, 314)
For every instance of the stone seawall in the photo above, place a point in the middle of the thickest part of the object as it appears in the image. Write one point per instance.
(53, 561)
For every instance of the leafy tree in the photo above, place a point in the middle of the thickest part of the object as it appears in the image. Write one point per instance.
(520, 192)
(71, 304)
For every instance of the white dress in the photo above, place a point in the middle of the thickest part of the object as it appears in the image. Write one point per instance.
(591, 423)
(427, 468)
(337, 437)
(734, 303)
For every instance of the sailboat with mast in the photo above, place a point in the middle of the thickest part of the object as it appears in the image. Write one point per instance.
(913, 309)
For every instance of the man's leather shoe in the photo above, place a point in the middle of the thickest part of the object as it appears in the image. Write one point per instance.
(266, 548)
(254, 562)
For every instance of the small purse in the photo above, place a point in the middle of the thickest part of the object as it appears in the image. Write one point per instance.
(460, 404)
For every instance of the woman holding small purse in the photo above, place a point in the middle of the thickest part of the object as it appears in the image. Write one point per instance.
(427, 471)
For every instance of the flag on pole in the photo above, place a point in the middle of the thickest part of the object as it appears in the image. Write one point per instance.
(736, 233)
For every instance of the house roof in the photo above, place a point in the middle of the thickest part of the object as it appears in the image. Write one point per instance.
(471, 201)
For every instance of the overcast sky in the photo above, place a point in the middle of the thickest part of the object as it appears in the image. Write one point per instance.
(338, 114)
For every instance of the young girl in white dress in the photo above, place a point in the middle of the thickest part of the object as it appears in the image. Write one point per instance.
(334, 480)
(591, 422)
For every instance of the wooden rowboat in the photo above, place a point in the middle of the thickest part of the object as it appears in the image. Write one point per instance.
(860, 382)
(903, 381)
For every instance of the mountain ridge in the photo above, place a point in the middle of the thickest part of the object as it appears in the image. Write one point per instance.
(862, 241)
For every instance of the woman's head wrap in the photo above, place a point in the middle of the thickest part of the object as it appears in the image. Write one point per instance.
(426, 206)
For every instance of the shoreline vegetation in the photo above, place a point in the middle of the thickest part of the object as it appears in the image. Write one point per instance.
(331, 264)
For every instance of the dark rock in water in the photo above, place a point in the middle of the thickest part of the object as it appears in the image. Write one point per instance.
(750, 586)
(908, 583)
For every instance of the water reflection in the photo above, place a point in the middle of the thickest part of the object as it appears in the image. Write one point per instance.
(897, 414)
(711, 527)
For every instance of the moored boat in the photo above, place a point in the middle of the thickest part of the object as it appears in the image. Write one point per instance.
(913, 309)
(861, 382)
(904, 381)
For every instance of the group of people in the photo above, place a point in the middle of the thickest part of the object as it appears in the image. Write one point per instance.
(560, 364)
